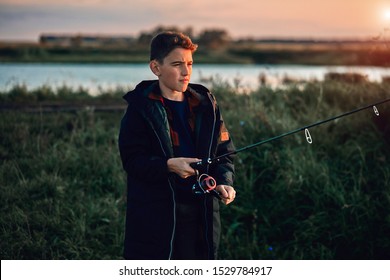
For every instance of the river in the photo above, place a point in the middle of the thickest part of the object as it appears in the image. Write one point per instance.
(110, 76)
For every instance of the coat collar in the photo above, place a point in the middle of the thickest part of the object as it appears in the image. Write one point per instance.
(195, 93)
(194, 98)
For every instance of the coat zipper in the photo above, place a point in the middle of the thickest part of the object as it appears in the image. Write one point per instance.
(207, 170)
(173, 193)
(173, 199)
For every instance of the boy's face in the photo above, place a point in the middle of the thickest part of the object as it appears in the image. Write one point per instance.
(175, 72)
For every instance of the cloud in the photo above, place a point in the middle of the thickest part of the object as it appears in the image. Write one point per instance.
(18, 20)
(239, 18)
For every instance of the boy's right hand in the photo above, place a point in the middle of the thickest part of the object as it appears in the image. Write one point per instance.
(181, 166)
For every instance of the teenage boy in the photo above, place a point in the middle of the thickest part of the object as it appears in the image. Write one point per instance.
(169, 124)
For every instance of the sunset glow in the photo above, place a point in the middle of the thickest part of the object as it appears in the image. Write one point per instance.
(386, 15)
(20, 19)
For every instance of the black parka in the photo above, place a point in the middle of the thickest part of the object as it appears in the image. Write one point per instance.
(145, 146)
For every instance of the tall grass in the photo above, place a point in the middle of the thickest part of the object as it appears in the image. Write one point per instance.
(62, 185)
(327, 200)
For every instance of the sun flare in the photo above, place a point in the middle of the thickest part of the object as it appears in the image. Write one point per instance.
(386, 15)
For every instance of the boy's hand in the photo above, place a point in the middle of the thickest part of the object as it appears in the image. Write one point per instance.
(227, 193)
(181, 166)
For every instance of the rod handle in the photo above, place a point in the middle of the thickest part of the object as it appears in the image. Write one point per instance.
(200, 164)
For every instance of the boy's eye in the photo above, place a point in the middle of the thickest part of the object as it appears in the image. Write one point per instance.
(181, 63)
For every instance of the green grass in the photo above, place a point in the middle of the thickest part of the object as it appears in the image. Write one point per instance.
(60, 197)
(62, 184)
(326, 200)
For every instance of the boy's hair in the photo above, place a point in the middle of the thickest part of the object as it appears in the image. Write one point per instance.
(163, 43)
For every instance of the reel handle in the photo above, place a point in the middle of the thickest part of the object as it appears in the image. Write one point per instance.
(216, 194)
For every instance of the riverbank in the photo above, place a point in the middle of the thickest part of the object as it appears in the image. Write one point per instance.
(365, 53)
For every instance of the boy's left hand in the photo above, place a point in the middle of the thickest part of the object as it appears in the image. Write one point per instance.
(227, 193)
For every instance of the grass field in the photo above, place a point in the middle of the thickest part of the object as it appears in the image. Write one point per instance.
(63, 187)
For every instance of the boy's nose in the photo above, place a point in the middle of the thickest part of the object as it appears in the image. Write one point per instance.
(185, 71)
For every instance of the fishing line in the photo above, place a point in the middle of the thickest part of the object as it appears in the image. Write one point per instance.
(304, 128)
(309, 139)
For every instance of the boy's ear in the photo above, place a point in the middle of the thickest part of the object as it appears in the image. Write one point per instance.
(155, 67)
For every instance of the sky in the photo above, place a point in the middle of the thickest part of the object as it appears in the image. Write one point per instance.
(314, 19)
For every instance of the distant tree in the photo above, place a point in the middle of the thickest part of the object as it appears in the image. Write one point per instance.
(210, 38)
(162, 28)
(189, 31)
(214, 38)
(146, 36)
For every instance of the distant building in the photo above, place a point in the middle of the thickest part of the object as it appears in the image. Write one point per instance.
(80, 40)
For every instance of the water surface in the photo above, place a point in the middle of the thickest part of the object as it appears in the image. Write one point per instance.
(105, 76)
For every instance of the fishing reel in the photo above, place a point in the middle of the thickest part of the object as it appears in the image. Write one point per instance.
(205, 184)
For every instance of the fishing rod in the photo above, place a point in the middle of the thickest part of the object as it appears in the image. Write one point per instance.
(204, 187)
